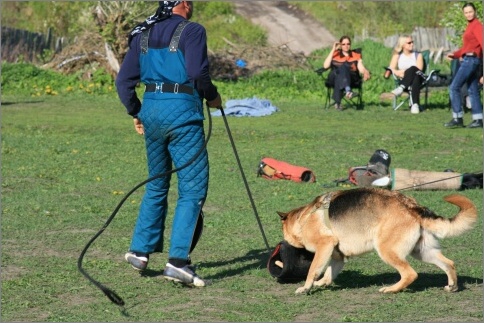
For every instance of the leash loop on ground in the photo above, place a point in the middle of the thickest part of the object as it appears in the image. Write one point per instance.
(113, 297)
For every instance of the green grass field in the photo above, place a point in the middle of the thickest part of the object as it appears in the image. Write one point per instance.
(68, 160)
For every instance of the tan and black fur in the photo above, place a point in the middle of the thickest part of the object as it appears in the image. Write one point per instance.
(365, 219)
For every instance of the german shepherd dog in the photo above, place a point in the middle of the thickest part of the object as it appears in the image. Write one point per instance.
(348, 223)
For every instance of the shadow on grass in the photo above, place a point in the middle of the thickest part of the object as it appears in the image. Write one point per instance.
(257, 259)
(254, 259)
(355, 279)
(405, 107)
(21, 102)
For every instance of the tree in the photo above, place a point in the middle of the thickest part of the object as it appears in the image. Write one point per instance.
(115, 19)
(453, 18)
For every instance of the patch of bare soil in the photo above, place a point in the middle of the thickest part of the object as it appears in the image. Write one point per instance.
(286, 25)
(223, 64)
(12, 272)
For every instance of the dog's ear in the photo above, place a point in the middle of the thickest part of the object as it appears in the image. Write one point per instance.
(282, 215)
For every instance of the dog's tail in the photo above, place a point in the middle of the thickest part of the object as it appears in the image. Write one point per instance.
(460, 223)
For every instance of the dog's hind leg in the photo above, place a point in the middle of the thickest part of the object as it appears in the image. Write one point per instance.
(324, 249)
(334, 268)
(393, 249)
(428, 250)
(407, 273)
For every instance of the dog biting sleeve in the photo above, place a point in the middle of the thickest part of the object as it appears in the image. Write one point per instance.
(288, 263)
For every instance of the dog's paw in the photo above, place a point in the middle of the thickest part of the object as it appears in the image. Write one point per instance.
(323, 282)
(302, 290)
(451, 288)
(388, 290)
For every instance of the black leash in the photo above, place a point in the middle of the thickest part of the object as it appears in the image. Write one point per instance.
(111, 294)
(229, 133)
(113, 297)
(345, 182)
(427, 183)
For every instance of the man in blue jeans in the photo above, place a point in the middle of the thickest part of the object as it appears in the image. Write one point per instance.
(168, 55)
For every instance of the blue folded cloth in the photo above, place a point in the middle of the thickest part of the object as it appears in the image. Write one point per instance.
(250, 107)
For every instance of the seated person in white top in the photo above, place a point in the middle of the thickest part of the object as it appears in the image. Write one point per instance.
(407, 65)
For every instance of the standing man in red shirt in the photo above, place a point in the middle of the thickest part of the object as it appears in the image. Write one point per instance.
(470, 55)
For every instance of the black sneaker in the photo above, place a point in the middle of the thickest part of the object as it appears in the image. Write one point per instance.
(454, 123)
(137, 260)
(475, 124)
(185, 275)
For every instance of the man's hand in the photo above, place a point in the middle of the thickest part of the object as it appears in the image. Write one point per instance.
(366, 75)
(138, 126)
(215, 103)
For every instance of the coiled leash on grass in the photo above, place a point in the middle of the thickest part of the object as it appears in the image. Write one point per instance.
(115, 298)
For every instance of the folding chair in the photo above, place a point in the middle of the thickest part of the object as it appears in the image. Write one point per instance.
(355, 102)
(426, 75)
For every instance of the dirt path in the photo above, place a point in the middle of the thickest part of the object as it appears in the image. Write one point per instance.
(286, 25)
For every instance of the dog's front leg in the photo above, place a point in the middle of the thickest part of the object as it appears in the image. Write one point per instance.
(334, 268)
(324, 249)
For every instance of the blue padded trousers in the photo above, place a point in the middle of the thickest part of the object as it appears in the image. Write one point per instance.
(173, 135)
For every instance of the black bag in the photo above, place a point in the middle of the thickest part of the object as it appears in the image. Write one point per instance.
(438, 80)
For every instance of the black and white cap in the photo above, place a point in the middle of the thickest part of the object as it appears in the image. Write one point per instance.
(380, 161)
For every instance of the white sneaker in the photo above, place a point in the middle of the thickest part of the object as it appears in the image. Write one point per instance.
(185, 275)
(137, 261)
(398, 91)
(382, 182)
(415, 109)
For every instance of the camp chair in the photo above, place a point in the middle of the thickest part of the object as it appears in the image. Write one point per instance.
(355, 102)
(427, 75)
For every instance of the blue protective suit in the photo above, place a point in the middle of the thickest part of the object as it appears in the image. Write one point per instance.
(173, 125)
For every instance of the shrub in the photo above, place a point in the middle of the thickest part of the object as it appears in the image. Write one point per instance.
(23, 78)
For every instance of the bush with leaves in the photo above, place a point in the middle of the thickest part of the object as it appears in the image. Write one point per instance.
(454, 18)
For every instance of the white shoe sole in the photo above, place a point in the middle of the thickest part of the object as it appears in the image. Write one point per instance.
(130, 255)
(195, 280)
